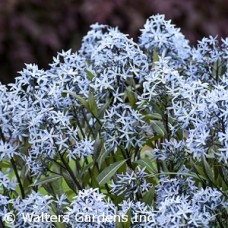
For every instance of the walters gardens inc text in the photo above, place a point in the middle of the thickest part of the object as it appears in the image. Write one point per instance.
(31, 218)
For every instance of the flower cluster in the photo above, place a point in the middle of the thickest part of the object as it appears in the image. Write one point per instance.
(160, 35)
(131, 184)
(180, 203)
(200, 109)
(87, 208)
(123, 126)
(35, 205)
(173, 153)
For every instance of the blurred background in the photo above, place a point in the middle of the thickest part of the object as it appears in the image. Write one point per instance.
(33, 31)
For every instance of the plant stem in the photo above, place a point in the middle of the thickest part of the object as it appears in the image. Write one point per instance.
(128, 159)
(70, 172)
(78, 123)
(18, 178)
(14, 168)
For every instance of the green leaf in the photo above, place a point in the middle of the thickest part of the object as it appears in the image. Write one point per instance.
(131, 97)
(127, 217)
(158, 127)
(223, 174)
(124, 221)
(146, 162)
(5, 164)
(150, 141)
(102, 110)
(47, 180)
(69, 180)
(97, 147)
(207, 169)
(180, 134)
(101, 158)
(157, 108)
(90, 75)
(190, 174)
(24, 172)
(89, 178)
(92, 105)
(119, 225)
(148, 197)
(108, 172)
(57, 186)
(26, 146)
(155, 56)
(60, 225)
(196, 168)
(154, 116)
(80, 99)
(87, 167)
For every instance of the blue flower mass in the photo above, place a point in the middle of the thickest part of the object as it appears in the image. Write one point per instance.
(119, 134)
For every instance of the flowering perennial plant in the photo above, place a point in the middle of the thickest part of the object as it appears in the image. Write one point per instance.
(118, 134)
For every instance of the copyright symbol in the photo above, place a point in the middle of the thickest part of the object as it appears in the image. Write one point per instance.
(9, 218)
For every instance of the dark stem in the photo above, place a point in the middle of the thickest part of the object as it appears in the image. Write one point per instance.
(18, 178)
(89, 169)
(87, 122)
(78, 123)
(1, 223)
(70, 172)
(128, 159)
(14, 168)
(166, 119)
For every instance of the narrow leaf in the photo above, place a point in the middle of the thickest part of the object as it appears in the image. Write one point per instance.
(154, 116)
(47, 180)
(149, 196)
(155, 56)
(127, 219)
(92, 105)
(131, 97)
(80, 99)
(108, 172)
(146, 162)
(103, 154)
(207, 169)
(158, 127)
(90, 75)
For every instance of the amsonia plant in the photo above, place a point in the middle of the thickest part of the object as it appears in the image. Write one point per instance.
(120, 134)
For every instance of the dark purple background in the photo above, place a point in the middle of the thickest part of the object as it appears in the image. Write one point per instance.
(32, 31)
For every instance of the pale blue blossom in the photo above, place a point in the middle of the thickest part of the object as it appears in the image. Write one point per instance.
(6, 183)
(131, 184)
(87, 206)
(34, 204)
(161, 36)
(123, 126)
